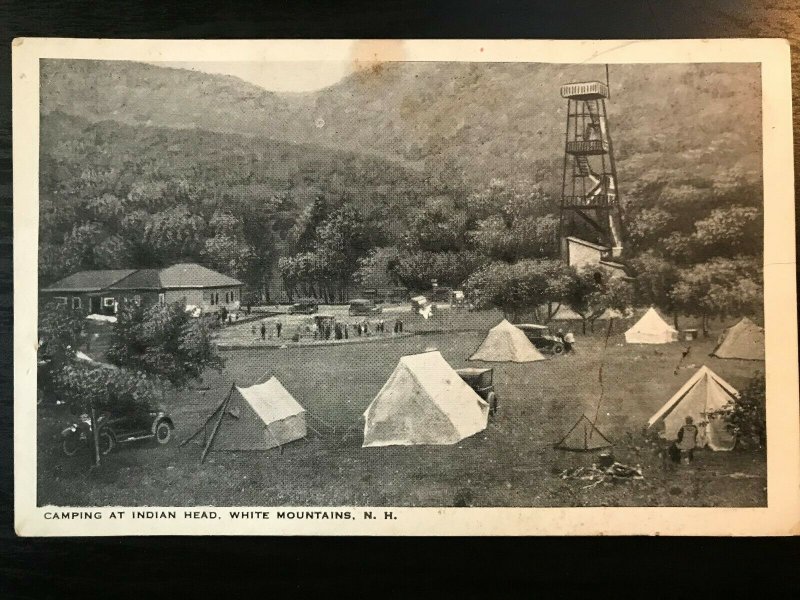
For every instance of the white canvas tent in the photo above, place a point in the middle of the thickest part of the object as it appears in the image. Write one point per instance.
(259, 417)
(424, 401)
(651, 329)
(506, 343)
(745, 341)
(704, 393)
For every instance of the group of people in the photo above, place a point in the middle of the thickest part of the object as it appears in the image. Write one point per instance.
(327, 329)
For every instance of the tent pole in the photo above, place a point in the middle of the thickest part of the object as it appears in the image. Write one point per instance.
(217, 424)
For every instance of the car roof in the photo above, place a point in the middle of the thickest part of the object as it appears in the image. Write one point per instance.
(474, 370)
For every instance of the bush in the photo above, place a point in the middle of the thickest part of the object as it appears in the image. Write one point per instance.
(747, 418)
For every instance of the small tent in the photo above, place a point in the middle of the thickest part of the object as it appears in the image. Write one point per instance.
(259, 417)
(584, 436)
(506, 343)
(651, 329)
(704, 393)
(424, 401)
(745, 340)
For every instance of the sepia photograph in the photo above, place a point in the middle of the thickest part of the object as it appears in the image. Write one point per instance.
(358, 279)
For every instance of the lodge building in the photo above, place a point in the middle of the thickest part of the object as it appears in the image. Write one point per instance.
(102, 291)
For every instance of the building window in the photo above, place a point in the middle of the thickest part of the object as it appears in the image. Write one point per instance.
(108, 301)
(226, 298)
(76, 302)
(216, 297)
(162, 298)
(62, 300)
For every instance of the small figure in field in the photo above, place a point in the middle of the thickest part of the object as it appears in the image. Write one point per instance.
(346, 331)
(278, 327)
(687, 440)
(569, 341)
(263, 330)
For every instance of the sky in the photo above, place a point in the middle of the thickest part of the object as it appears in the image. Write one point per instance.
(275, 76)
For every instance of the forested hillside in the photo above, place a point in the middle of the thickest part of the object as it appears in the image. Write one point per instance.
(418, 170)
(475, 121)
(113, 195)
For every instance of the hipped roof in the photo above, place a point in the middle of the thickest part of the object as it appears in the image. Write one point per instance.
(179, 276)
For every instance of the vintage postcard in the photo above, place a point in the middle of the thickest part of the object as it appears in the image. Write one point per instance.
(404, 288)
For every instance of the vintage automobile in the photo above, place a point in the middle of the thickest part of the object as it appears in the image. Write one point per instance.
(304, 306)
(142, 424)
(480, 380)
(541, 337)
(363, 306)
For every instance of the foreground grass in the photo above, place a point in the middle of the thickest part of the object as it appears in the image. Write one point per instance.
(512, 463)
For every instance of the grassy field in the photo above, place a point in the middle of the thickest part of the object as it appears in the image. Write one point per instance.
(511, 463)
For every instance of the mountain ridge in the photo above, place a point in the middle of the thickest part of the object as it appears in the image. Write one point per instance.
(469, 122)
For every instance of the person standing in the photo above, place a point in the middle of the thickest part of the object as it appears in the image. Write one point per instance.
(263, 330)
(687, 440)
(278, 327)
(346, 331)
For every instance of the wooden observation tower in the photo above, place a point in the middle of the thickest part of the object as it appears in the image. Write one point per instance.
(589, 187)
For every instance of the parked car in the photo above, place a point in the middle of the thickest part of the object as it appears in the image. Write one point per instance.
(480, 380)
(142, 424)
(541, 337)
(305, 306)
(362, 306)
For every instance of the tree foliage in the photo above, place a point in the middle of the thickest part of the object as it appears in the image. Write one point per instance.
(747, 416)
(523, 286)
(104, 388)
(720, 287)
(162, 340)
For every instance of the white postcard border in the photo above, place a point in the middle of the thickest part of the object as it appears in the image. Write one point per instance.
(780, 517)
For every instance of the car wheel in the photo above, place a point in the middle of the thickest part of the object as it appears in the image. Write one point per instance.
(106, 442)
(558, 349)
(71, 445)
(163, 433)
